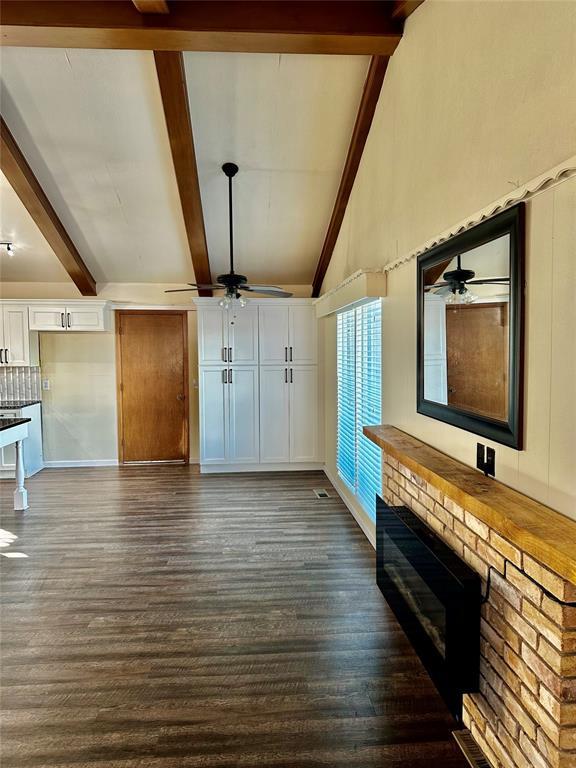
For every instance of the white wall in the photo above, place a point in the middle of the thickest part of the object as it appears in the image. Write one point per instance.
(478, 99)
(80, 409)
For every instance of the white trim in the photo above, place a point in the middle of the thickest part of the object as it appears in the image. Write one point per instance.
(81, 463)
(67, 302)
(207, 469)
(211, 301)
(367, 526)
(350, 279)
(523, 192)
(152, 307)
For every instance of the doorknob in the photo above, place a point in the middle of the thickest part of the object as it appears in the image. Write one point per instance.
(179, 397)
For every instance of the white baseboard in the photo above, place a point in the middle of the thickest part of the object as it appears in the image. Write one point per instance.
(367, 526)
(207, 469)
(81, 463)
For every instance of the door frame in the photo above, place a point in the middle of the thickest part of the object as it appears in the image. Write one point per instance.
(118, 314)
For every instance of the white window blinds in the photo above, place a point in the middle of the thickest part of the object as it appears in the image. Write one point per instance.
(359, 349)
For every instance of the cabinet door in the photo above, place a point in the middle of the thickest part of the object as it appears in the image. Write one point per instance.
(303, 413)
(213, 415)
(243, 336)
(47, 318)
(435, 369)
(16, 335)
(8, 452)
(212, 336)
(85, 319)
(274, 414)
(243, 438)
(303, 344)
(273, 332)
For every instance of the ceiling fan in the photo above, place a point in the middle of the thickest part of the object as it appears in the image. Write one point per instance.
(231, 282)
(456, 284)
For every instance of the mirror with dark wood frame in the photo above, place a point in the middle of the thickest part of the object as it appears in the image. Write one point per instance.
(470, 329)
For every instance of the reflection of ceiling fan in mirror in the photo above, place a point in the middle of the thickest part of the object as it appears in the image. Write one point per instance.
(456, 283)
(231, 282)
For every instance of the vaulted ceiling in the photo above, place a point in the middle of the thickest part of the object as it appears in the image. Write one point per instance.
(91, 126)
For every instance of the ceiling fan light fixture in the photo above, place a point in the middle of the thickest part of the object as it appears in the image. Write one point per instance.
(461, 295)
(9, 246)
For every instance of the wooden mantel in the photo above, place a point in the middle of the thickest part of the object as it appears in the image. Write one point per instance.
(538, 530)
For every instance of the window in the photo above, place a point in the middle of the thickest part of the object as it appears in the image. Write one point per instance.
(359, 370)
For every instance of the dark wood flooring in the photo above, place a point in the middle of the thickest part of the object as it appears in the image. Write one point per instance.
(164, 619)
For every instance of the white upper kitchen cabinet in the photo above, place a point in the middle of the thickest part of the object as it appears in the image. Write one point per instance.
(288, 335)
(47, 318)
(81, 316)
(14, 335)
(85, 318)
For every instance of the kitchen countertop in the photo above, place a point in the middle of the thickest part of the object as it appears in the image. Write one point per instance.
(9, 423)
(15, 404)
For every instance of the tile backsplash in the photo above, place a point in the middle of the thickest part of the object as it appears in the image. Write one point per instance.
(20, 383)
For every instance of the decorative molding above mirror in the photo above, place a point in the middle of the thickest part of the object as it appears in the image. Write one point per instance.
(470, 329)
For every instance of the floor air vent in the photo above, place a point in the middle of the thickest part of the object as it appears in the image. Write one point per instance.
(470, 749)
(321, 493)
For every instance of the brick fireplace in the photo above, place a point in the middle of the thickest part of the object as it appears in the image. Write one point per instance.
(525, 553)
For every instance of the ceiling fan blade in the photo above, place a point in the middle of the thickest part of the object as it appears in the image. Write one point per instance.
(486, 280)
(268, 290)
(199, 287)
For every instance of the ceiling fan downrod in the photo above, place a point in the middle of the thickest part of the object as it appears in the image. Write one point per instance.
(230, 169)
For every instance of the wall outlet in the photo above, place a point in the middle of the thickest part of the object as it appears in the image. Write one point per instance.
(45, 384)
(486, 459)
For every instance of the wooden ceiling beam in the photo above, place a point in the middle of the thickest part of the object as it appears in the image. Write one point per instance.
(370, 94)
(151, 6)
(359, 27)
(401, 9)
(172, 80)
(23, 181)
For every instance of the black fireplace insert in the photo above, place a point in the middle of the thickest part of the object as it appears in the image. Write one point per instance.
(436, 598)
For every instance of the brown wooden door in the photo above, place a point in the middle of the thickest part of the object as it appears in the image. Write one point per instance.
(477, 358)
(153, 385)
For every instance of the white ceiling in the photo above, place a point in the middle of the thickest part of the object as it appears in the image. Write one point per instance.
(286, 120)
(33, 259)
(92, 127)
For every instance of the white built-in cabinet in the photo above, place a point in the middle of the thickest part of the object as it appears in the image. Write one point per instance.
(14, 335)
(259, 401)
(289, 414)
(228, 336)
(288, 335)
(229, 415)
(69, 317)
